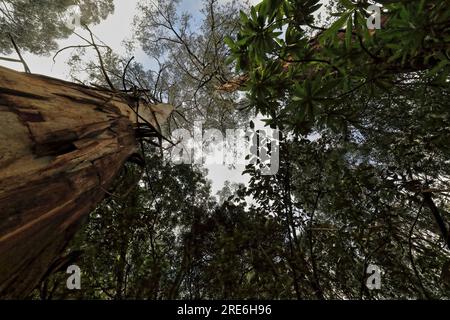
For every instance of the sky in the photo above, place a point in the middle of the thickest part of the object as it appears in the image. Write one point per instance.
(113, 31)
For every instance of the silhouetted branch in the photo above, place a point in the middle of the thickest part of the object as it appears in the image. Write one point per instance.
(27, 70)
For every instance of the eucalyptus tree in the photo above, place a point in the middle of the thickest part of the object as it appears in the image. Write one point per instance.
(193, 54)
(364, 158)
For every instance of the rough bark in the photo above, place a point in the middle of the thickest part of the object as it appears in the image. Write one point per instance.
(61, 146)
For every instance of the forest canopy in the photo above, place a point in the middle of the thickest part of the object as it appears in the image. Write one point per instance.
(37, 25)
(364, 152)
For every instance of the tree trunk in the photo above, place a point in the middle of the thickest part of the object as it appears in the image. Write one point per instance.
(61, 146)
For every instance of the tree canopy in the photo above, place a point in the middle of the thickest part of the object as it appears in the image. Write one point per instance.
(364, 158)
(37, 25)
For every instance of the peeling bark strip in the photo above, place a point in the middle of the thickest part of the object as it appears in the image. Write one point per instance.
(61, 146)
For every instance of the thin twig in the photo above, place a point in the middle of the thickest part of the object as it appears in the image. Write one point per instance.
(10, 60)
(27, 70)
(102, 65)
(125, 74)
(411, 257)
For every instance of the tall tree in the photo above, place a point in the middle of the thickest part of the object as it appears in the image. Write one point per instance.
(374, 104)
(363, 173)
(62, 145)
(192, 55)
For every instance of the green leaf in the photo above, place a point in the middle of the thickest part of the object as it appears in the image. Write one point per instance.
(228, 41)
(441, 65)
(334, 28)
(348, 33)
(348, 4)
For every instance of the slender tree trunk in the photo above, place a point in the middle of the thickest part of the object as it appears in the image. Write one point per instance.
(61, 146)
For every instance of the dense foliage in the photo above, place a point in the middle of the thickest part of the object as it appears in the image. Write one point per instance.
(364, 161)
(37, 25)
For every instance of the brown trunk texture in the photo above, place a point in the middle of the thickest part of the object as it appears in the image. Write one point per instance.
(61, 146)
